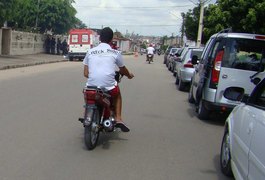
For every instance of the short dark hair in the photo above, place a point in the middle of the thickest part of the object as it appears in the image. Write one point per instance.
(106, 35)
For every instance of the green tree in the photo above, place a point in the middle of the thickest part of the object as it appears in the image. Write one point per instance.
(191, 23)
(42, 15)
(6, 7)
(241, 15)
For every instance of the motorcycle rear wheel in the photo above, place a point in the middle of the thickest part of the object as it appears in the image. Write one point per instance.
(91, 133)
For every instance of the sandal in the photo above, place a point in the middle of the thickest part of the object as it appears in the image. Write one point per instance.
(122, 126)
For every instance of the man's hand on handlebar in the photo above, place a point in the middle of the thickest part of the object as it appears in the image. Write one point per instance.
(130, 76)
(125, 71)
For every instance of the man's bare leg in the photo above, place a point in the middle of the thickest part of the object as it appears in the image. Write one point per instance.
(118, 106)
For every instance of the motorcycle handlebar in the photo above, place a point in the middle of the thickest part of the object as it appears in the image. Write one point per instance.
(118, 76)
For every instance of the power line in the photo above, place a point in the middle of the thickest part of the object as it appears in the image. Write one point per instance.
(193, 2)
(133, 7)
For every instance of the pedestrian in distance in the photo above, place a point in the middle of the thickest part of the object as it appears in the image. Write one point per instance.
(58, 46)
(64, 47)
(53, 43)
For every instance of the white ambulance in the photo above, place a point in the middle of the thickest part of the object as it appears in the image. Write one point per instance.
(80, 41)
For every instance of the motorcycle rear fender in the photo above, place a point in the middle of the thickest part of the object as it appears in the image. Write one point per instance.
(95, 97)
(88, 115)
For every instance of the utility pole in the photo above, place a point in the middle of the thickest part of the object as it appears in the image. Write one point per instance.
(37, 18)
(182, 29)
(200, 23)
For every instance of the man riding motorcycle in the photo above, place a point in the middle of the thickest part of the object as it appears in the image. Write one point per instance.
(150, 51)
(99, 68)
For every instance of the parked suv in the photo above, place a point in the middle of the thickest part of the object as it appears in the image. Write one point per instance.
(230, 61)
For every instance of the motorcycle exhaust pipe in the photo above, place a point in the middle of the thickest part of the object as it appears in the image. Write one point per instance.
(108, 125)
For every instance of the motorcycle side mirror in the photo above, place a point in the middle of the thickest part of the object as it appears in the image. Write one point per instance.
(194, 60)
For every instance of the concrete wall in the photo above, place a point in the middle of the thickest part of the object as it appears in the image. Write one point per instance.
(125, 46)
(173, 41)
(26, 43)
(0, 41)
(6, 41)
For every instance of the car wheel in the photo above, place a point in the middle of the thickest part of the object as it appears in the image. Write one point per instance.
(225, 155)
(173, 70)
(169, 66)
(203, 113)
(177, 79)
(190, 97)
(181, 86)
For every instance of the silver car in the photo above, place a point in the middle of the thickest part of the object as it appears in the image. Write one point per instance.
(242, 150)
(171, 55)
(230, 62)
(184, 68)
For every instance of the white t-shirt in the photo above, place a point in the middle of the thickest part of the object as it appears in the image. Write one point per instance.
(150, 50)
(102, 61)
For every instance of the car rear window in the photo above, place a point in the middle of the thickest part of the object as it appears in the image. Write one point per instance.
(173, 50)
(246, 54)
(197, 53)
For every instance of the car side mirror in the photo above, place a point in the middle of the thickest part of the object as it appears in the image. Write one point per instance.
(194, 60)
(255, 81)
(177, 54)
(234, 93)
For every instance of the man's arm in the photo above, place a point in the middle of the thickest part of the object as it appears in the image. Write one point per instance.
(124, 71)
(86, 71)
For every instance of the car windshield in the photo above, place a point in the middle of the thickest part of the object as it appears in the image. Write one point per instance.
(246, 54)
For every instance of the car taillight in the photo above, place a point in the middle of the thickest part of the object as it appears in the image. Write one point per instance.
(259, 37)
(217, 67)
(188, 65)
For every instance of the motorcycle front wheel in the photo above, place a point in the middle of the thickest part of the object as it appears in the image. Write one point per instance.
(91, 133)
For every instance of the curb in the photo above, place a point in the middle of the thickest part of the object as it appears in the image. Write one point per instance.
(30, 64)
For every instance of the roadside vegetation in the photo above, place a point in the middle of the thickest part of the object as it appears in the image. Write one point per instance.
(240, 15)
(39, 15)
(60, 16)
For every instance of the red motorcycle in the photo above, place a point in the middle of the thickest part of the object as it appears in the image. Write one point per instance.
(99, 113)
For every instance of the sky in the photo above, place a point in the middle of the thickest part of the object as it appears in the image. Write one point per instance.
(143, 17)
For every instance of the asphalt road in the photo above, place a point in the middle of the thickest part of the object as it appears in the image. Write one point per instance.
(41, 138)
